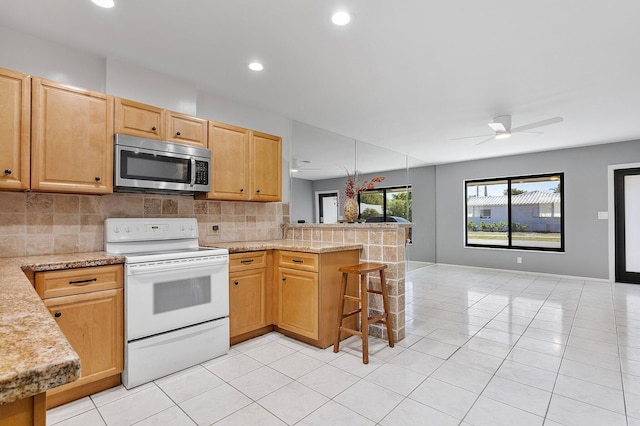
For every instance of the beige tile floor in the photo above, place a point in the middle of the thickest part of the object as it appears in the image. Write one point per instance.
(483, 347)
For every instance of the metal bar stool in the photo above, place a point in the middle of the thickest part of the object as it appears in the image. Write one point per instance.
(362, 270)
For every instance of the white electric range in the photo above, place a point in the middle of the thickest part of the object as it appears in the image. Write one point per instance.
(176, 296)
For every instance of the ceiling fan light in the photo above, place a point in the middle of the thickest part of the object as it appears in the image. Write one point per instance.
(107, 4)
(503, 135)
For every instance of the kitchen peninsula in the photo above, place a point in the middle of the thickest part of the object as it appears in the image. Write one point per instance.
(35, 355)
(381, 242)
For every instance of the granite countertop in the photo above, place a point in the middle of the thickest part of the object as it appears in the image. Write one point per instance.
(34, 354)
(293, 245)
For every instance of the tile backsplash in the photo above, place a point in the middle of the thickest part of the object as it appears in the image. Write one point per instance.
(42, 223)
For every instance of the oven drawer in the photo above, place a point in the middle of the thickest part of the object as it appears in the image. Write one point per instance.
(157, 356)
(298, 260)
(77, 281)
(248, 260)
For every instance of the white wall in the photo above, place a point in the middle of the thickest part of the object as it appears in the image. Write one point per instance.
(41, 58)
(150, 87)
(585, 194)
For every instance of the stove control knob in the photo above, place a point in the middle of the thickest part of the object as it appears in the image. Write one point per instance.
(127, 229)
(182, 228)
(116, 230)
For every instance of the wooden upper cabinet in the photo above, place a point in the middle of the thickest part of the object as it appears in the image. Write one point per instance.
(266, 167)
(71, 139)
(151, 122)
(182, 128)
(229, 147)
(246, 165)
(15, 136)
(137, 119)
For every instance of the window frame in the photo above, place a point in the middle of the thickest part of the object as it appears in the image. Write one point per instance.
(510, 180)
(406, 188)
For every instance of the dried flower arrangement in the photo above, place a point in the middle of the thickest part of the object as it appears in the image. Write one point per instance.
(355, 185)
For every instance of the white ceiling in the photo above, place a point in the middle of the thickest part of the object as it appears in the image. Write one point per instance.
(409, 75)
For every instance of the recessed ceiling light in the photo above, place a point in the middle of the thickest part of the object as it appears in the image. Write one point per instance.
(341, 18)
(256, 66)
(104, 3)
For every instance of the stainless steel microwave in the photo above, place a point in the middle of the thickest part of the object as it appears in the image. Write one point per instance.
(157, 166)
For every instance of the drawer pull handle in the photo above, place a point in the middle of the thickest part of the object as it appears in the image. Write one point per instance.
(57, 314)
(247, 261)
(236, 282)
(153, 128)
(284, 278)
(83, 282)
(297, 260)
(177, 133)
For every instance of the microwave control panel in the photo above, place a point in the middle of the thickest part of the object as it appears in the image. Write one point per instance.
(202, 173)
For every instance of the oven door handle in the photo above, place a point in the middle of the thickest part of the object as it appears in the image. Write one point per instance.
(150, 269)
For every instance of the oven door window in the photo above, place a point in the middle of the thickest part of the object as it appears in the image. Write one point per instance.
(162, 168)
(180, 294)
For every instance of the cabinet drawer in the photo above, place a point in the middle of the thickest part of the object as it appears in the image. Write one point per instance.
(248, 260)
(76, 281)
(298, 260)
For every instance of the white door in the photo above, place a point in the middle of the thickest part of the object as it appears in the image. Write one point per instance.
(327, 211)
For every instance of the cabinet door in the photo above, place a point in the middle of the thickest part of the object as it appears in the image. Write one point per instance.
(93, 324)
(298, 302)
(187, 130)
(266, 167)
(229, 147)
(72, 139)
(136, 119)
(15, 127)
(247, 301)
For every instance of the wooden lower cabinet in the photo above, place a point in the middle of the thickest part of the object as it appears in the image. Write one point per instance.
(298, 302)
(93, 323)
(250, 294)
(30, 411)
(307, 294)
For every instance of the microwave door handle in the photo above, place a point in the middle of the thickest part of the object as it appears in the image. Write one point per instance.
(193, 171)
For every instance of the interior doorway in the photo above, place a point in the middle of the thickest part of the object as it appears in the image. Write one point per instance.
(626, 184)
(327, 206)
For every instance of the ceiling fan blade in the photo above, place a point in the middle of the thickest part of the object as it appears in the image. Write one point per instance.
(537, 124)
(470, 137)
(486, 140)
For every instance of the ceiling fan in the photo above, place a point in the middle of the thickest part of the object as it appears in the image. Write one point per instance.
(501, 126)
(299, 166)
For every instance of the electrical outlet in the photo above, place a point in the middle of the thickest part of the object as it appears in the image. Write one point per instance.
(213, 229)
(518, 259)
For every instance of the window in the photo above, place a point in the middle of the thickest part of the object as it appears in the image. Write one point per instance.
(386, 205)
(523, 212)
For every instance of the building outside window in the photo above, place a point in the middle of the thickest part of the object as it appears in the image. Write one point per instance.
(523, 212)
